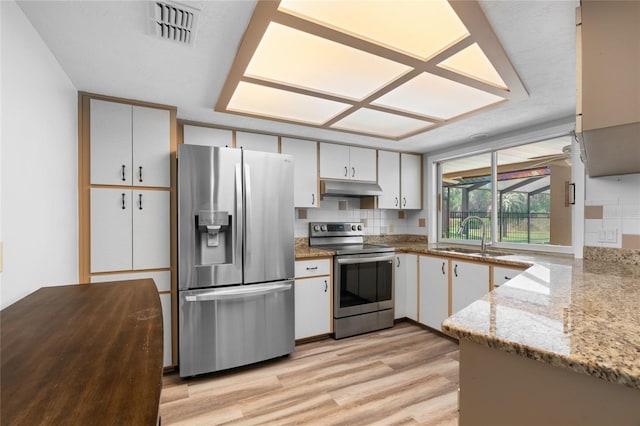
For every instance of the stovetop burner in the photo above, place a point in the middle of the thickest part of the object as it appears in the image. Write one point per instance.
(343, 237)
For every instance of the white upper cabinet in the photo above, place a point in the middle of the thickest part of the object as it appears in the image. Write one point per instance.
(389, 179)
(199, 135)
(347, 162)
(411, 181)
(257, 142)
(129, 145)
(305, 171)
(151, 147)
(110, 135)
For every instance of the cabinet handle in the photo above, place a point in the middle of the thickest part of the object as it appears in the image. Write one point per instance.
(353, 172)
(123, 173)
(326, 286)
(404, 201)
(346, 171)
(312, 269)
(140, 201)
(313, 199)
(140, 172)
(398, 261)
(443, 268)
(123, 195)
(506, 278)
(396, 201)
(455, 270)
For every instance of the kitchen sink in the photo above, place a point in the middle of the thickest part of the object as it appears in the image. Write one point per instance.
(473, 251)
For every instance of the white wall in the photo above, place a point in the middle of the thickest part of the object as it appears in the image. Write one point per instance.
(616, 200)
(39, 163)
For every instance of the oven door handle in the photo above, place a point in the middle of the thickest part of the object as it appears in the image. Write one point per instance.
(353, 260)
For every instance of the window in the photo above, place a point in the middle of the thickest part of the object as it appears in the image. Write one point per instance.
(526, 186)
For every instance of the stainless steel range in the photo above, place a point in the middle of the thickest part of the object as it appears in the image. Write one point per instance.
(362, 279)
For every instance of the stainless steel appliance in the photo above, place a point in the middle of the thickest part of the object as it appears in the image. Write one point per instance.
(363, 278)
(235, 257)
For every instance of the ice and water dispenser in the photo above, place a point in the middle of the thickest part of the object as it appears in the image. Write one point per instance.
(214, 241)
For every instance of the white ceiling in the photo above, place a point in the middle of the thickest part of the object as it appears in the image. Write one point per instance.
(104, 48)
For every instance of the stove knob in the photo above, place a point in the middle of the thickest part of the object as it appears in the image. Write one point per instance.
(323, 228)
(316, 228)
(354, 227)
(359, 227)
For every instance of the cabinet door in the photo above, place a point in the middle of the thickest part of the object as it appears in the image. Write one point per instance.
(400, 283)
(434, 291)
(208, 136)
(110, 143)
(312, 307)
(110, 229)
(305, 171)
(409, 265)
(334, 161)
(165, 300)
(411, 181)
(389, 179)
(257, 142)
(151, 147)
(501, 275)
(151, 230)
(470, 281)
(362, 164)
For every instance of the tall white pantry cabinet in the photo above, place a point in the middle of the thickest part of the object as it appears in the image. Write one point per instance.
(127, 198)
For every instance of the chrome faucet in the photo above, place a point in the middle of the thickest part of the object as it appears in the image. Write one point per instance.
(483, 243)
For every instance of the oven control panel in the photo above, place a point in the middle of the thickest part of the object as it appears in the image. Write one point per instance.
(336, 229)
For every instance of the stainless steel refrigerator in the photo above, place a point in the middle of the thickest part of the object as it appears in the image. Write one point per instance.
(235, 257)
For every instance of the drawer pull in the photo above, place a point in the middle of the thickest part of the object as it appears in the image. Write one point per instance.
(312, 269)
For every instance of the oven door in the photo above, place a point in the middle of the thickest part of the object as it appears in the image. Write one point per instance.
(363, 283)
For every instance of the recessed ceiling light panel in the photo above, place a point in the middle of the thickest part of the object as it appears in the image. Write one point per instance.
(472, 62)
(435, 96)
(299, 59)
(371, 121)
(417, 28)
(280, 104)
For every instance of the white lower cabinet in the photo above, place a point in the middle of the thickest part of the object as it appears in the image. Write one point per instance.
(434, 291)
(406, 286)
(312, 298)
(501, 275)
(165, 300)
(130, 229)
(469, 282)
(312, 307)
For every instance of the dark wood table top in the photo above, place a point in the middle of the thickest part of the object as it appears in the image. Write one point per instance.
(82, 354)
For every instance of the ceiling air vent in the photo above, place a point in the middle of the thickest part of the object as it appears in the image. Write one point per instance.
(173, 21)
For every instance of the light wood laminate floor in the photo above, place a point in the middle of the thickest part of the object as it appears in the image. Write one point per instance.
(404, 375)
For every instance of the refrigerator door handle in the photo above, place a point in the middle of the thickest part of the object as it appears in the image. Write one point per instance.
(247, 206)
(239, 222)
(239, 292)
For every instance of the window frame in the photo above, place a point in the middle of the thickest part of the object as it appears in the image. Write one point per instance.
(532, 135)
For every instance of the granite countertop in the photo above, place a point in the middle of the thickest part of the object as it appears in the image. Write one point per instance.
(583, 315)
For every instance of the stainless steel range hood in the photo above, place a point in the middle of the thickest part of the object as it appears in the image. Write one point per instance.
(336, 188)
(611, 151)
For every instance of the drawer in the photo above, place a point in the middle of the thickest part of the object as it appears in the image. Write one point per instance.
(502, 275)
(312, 268)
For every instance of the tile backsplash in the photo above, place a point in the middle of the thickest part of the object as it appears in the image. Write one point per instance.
(612, 212)
(377, 222)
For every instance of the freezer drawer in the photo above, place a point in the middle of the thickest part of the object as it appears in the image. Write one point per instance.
(228, 327)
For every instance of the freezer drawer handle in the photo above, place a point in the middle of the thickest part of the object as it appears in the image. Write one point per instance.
(237, 293)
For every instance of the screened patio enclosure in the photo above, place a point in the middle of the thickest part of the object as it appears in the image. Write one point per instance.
(524, 206)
